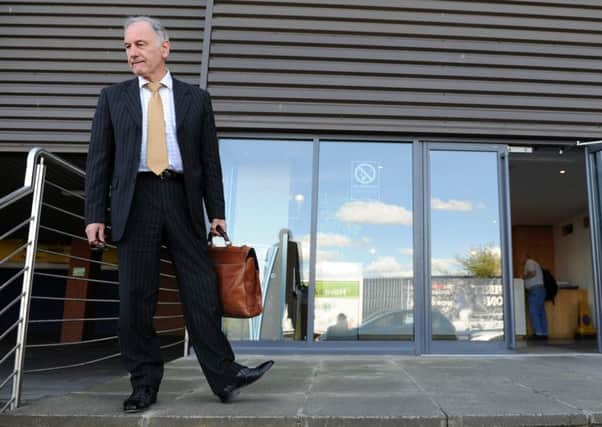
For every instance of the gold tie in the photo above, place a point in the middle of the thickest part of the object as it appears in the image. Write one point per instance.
(156, 150)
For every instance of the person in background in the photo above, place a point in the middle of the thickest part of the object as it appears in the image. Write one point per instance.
(154, 153)
(536, 295)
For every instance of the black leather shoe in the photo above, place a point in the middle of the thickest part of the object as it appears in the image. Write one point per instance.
(140, 399)
(243, 378)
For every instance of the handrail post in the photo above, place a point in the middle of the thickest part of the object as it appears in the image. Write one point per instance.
(186, 343)
(32, 241)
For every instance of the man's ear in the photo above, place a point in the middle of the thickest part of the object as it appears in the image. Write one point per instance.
(165, 49)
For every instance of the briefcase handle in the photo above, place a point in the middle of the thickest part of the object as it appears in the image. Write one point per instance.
(222, 233)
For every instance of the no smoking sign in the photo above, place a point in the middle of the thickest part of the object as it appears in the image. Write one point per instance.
(365, 180)
(365, 173)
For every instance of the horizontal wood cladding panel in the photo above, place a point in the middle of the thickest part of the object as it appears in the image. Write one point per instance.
(46, 136)
(562, 8)
(414, 128)
(393, 56)
(60, 11)
(528, 68)
(88, 78)
(407, 42)
(432, 29)
(91, 22)
(81, 125)
(303, 80)
(115, 33)
(56, 56)
(89, 45)
(390, 97)
(46, 113)
(358, 109)
(82, 67)
(106, 4)
(407, 16)
(77, 55)
(344, 69)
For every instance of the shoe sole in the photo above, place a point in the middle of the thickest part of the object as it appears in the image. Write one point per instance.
(236, 392)
(133, 411)
(231, 396)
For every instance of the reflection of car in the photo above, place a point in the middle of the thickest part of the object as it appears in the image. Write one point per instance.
(486, 335)
(391, 325)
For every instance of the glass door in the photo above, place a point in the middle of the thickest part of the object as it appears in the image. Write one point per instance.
(364, 281)
(594, 187)
(467, 266)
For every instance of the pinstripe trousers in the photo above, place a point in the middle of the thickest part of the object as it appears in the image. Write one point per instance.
(159, 213)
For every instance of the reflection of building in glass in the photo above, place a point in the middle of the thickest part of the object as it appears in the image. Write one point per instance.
(387, 293)
(471, 304)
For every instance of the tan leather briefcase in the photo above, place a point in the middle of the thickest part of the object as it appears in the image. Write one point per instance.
(237, 273)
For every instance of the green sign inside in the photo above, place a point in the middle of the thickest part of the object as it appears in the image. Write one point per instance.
(334, 289)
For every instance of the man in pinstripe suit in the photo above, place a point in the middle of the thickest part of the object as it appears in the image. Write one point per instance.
(162, 205)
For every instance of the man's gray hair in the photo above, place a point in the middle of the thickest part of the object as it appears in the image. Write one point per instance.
(154, 23)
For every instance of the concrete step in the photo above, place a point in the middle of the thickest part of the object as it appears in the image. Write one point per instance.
(347, 391)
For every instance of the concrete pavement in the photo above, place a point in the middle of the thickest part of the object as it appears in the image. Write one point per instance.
(310, 390)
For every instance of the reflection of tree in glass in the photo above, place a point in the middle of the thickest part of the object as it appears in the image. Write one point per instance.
(483, 261)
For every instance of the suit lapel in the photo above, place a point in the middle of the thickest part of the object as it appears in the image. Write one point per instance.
(180, 94)
(132, 101)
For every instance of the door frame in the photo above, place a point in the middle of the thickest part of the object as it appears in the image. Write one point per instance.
(422, 246)
(595, 224)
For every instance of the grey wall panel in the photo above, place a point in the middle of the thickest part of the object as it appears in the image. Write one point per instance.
(56, 56)
(493, 68)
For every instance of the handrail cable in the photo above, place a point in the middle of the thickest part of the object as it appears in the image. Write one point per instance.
(7, 355)
(95, 319)
(9, 330)
(74, 236)
(114, 337)
(16, 227)
(65, 276)
(47, 251)
(12, 279)
(73, 299)
(13, 302)
(90, 362)
(12, 254)
(109, 264)
(108, 282)
(60, 344)
(7, 404)
(74, 365)
(63, 189)
(64, 233)
(94, 300)
(65, 211)
(10, 377)
(79, 319)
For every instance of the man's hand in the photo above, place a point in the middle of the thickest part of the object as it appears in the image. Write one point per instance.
(215, 223)
(96, 234)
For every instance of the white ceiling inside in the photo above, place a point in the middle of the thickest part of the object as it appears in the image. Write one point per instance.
(539, 193)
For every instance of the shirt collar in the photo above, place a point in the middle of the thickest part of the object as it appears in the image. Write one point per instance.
(167, 81)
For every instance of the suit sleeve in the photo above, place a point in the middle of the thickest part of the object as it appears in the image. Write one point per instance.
(213, 190)
(99, 165)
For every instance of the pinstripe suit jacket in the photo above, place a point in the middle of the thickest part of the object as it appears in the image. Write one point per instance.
(114, 154)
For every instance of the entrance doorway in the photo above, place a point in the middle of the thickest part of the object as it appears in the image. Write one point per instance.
(550, 222)
(467, 252)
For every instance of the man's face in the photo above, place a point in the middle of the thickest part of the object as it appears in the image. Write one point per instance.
(146, 56)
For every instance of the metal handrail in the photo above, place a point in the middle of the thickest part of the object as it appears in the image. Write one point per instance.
(34, 182)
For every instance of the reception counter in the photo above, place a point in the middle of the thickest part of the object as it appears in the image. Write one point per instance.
(562, 315)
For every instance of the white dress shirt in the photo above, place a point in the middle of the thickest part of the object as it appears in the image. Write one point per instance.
(173, 150)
